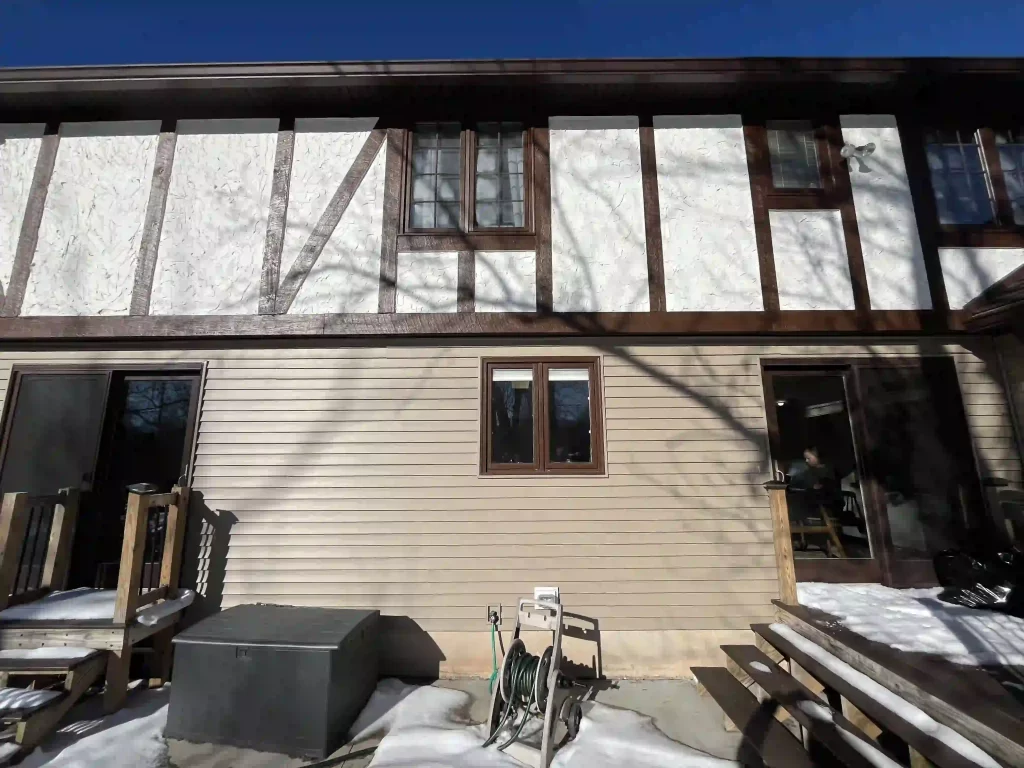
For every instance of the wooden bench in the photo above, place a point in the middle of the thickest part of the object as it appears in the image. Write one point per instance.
(824, 725)
(933, 750)
(774, 745)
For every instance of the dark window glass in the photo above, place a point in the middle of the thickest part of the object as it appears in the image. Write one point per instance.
(435, 176)
(499, 175)
(1011, 157)
(959, 178)
(794, 155)
(512, 416)
(569, 415)
(816, 455)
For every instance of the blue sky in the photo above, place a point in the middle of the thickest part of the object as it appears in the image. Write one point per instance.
(59, 32)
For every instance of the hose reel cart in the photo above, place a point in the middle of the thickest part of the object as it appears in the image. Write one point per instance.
(531, 686)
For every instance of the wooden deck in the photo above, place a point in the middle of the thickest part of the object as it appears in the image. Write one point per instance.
(25, 588)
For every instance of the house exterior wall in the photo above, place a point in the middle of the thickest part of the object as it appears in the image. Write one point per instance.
(352, 476)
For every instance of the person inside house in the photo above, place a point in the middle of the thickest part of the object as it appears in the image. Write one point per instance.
(811, 473)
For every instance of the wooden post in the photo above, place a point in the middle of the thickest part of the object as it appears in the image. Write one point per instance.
(62, 534)
(116, 690)
(174, 537)
(783, 540)
(13, 523)
(129, 577)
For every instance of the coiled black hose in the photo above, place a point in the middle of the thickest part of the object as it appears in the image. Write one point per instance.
(522, 691)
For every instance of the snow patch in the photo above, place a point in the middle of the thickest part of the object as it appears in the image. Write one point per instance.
(915, 620)
(133, 736)
(47, 653)
(426, 727)
(761, 667)
(900, 707)
(14, 699)
(815, 710)
(87, 604)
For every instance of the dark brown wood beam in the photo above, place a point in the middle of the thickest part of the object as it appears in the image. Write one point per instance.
(152, 225)
(496, 324)
(277, 220)
(652, 217)
(467, 281)
(394, 176)
(759, 170)
(29, 236)
(542, 217)
(328, 221)
(848, 216)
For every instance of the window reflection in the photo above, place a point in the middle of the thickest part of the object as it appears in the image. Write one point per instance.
(512, 416)
(569, 415)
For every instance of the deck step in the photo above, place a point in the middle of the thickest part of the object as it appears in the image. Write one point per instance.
(828, 727)
(928, 746)
(16, 703)
(44, 661)
(762, 732)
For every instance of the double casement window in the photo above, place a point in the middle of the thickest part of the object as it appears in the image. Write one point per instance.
(541, 416)
(468, 179)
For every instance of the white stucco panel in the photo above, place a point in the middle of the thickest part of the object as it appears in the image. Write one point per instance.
(893, 260)
(19, 150)
(707, 216)
(211, 246)
(346, 276)
(811, 265)
(598, 243)
(427, 281)
(506, 281)
(92, 221)
(969, 271)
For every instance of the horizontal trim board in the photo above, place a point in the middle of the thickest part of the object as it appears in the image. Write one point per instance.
(485, 323)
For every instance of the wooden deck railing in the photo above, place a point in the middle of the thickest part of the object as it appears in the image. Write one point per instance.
(154, 527)
(36, 533)
(35, 544)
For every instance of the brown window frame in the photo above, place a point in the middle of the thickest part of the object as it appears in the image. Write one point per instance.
(467, 187)
(1003, 231)
(542, 465)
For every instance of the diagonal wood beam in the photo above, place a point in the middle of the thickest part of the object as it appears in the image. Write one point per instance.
(329, 219)
(29, 235)
(278, 219)
(153, 224)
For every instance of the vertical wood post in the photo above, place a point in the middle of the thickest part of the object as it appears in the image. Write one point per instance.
(129, 576)
(783, 540)
(174, 537)
(13, 523)
(62, 534)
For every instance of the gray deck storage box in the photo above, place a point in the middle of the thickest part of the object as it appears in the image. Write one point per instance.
(273, 677)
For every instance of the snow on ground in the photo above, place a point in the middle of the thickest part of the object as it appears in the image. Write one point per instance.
(916, 620)
(426, 727)
(130, 738)
(896, 704)
(91, 604)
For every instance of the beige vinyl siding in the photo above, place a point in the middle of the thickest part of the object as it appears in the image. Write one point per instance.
(352, 475)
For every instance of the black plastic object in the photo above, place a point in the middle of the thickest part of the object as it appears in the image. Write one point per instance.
(994, 582)
(274, 678)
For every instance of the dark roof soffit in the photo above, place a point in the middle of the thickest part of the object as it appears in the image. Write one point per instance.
(552, 71)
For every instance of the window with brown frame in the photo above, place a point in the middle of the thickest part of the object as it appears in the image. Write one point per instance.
(468, 180)
(797, 163)
(541, 416)
(977, 182)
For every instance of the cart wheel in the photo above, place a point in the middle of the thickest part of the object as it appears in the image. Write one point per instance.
(574, 719)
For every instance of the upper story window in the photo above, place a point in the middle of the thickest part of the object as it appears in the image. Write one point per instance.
(793, 151)
(977, 180)
(1010, 144)
(960, 180)
(468, 179)
(499, 177)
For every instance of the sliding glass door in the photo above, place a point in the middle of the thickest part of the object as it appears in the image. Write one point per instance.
(880, 470)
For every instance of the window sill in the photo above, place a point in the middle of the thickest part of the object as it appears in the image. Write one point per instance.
(453, 240)
(980, 237)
